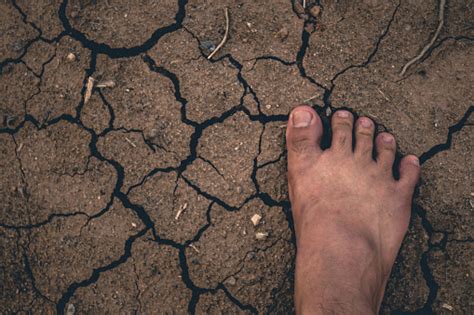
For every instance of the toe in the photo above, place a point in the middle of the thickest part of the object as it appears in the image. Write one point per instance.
(341, 126)
(386, 147)
(409, 173)
(364, 138)
(303, 136)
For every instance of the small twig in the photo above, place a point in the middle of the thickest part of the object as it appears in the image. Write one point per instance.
(225, 34)
(311, 98)
(442, 4)
(181, 210)
(105, 84)
(131, 143)
(383, 94)
(304, 4)
(193, 247)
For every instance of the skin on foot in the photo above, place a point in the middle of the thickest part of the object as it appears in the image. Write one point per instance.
(350, 213)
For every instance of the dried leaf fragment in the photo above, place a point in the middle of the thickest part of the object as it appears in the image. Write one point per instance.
(89, 87)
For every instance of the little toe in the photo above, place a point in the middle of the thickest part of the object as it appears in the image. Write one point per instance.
(303, 136)
(386, 147)
(341, 125)
(364, 138)
(409, 173)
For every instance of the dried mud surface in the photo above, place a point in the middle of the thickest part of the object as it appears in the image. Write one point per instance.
(91, 191)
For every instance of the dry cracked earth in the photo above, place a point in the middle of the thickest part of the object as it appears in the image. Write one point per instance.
(91, 187)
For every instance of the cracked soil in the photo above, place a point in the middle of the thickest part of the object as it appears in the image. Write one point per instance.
(90, 190)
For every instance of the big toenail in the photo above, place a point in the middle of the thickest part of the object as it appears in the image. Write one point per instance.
(387, 138)
(301, 119)
(415, 161)
(366, 123)
(342, 113)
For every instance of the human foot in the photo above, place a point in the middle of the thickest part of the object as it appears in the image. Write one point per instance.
(350, 213)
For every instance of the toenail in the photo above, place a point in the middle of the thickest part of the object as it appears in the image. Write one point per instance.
(415, 161)
(387, 138)
(301, 118)
(365, 122)
(342, 113)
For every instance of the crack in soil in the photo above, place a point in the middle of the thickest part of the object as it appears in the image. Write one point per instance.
(122, 52)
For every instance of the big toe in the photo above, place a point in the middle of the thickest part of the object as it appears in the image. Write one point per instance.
(303, 137)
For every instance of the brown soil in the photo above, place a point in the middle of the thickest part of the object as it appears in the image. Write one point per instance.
(91, 190)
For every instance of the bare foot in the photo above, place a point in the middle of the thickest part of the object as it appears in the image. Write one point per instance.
(350, 213)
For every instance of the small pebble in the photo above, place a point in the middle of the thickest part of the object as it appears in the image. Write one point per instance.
(436, 238)
(261, 235)
(268, 106)
(71, 309)
(282, 34)
(208, 45)
(256, 219)
(231, 281)
(71, 57)
(154, 133)
(315, 11)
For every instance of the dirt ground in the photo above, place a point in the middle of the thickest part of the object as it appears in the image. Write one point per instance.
(139, 198)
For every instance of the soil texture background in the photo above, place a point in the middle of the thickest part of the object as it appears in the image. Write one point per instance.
(131, 164)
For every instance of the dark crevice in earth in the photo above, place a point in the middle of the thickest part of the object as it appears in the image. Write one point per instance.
(111, 111)
(61, 304)
(243, 307)
(451, 130)
(431, 283)
(137, 287)
(43, 66)
(50, 218)
(122, 52)
(28, 44)
(212, 165)
(29, 273)
(374, 51)
(440, 42)
(300, 55)
(255, 168)
(271, 58)
(208, 196)
(197, 291)
(176, 87)
(203, 228)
